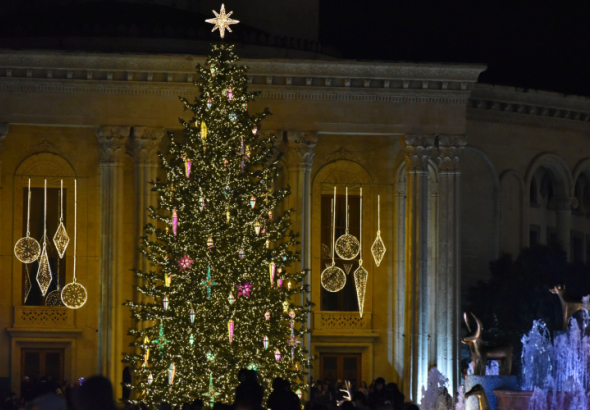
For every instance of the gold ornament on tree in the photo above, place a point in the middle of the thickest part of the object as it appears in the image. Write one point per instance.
(378, 248)
(333, 278)
(27, 249)
(73, 294)
(222, 21)
(347, 246)
(361, 274)
(61, 238)
(44, 273)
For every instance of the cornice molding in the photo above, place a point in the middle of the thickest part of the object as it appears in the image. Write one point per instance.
(58, 72)
(529, 108)
(42, 60)
(528, 120)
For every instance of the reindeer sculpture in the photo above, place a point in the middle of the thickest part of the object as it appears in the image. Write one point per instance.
(480, 393)
(480, 354)
(568, 306)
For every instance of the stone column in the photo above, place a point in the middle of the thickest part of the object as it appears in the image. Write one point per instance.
(300, 152)
(144, 145)
(448, 300)
(416, 149)
(110, 330)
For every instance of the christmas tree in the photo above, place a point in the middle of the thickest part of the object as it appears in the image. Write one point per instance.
(220, 295)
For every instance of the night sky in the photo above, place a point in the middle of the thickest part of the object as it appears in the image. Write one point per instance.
(529, 44)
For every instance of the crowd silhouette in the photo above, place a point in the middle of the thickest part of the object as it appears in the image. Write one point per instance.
(96, 393)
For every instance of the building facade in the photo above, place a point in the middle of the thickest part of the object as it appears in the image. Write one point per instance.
(463, 171)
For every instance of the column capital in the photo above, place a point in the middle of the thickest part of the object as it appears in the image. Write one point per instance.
(300, 147)
(449, 150)
(3, 133)
(417, 149)
(112, 141)
(144, 144)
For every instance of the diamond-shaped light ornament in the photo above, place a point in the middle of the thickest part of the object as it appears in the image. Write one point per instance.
(360, 282)
(222, 21)
(61, 240)
(44, 272)
(378, 249)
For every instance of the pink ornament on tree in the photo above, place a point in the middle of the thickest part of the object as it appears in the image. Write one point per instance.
(244, 290)
(267, 315)
(185, 262)
(174, 222)
(230, 328)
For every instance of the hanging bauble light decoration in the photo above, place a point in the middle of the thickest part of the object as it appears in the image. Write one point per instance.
(210, 242)
(284, 256)
(277, 355)
(174, 222)
(333, 279)
(27, 249)
(241, 254)
(267, 243)
(270, 214)
(209, 103)
(61, 238)
(191, 315)
(230, 329)
(254, 130)
(210, 356)
(292, 314)
(150, 379)
(299, 393)
(378, 248)
(167, 280)
(213, 69)
(165, 302)
(245, 106)
(225, 162)
(280, 283)
(347, 245)
(227, 216)
(257, 227)
(202, 202)
(253, 201)
(267, 315)
(286, 306)
(230, 94)
(231, 299)
(191, 340)
(265, 342)
(233, 117)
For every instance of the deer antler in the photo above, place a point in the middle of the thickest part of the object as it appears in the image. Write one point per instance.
(479, 326)
(466, 321)
(348, 396)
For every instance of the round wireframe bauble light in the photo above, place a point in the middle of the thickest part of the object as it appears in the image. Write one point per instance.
(54, 298)
(347, 247)
(333, 278)
(74, 295)
(27, 249)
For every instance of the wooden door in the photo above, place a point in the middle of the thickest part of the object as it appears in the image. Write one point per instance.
(43, 363)
(341, 366)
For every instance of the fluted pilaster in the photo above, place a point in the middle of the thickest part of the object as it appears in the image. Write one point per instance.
(448, 298)
(417, 150)
(112, 142)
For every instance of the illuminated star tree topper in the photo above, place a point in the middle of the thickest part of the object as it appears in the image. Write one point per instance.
(222, 21)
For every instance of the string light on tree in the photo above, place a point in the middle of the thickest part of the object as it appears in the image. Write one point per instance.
(228, 241)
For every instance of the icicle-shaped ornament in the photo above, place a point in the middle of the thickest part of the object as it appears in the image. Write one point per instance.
(230, 329)
(174, 222)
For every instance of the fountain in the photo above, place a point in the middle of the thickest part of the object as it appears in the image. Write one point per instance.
(555, 373)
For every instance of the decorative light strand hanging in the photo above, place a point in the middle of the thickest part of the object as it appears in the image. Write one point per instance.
(27, 249)
(333, 278)
(347, 245)
(378, 248)
(61, 238)
(74, 295)
(361, 274)
(44, 272)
